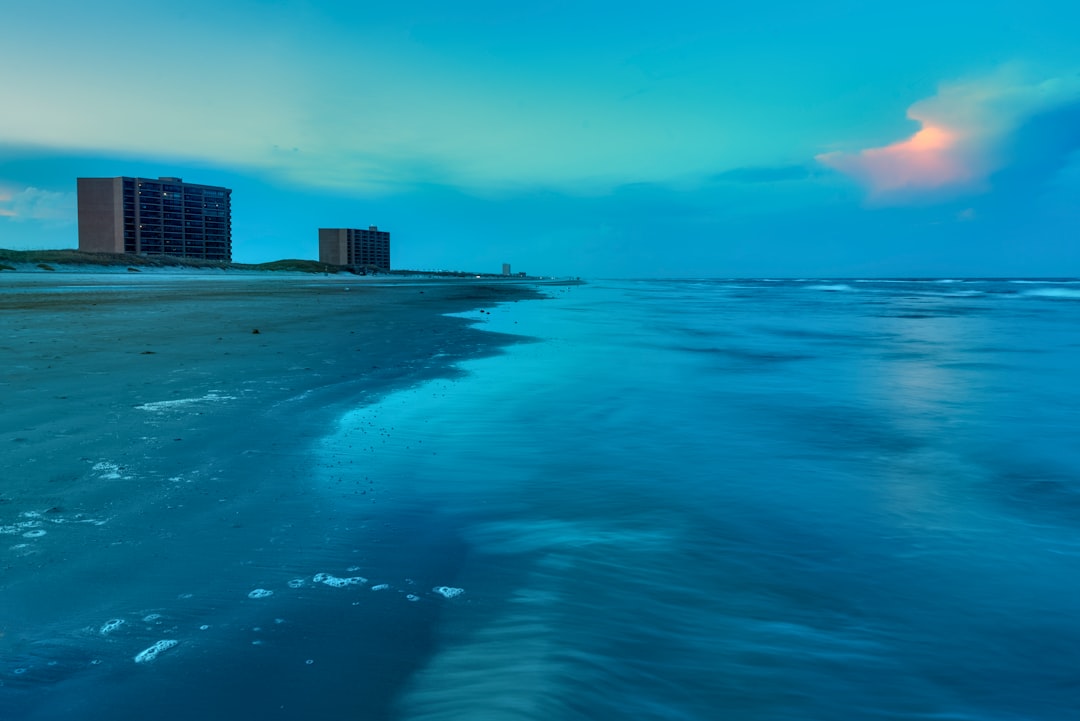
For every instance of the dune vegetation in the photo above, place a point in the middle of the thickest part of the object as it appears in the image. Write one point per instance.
(50, 258)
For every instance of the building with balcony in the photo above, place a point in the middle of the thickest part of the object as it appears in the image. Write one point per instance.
(350, 246)
(155, 217)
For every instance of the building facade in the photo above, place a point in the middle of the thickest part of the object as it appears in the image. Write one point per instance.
(155, 217)
(351, 246)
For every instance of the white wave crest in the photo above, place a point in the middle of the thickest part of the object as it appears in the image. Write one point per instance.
(1064, 293)
(832, 287)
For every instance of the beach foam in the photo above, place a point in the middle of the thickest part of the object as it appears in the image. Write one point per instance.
(260, 593)
(152, 653)
(107, 471)
(337, 582)
(110, 626)
(158, 406)
(448, 591)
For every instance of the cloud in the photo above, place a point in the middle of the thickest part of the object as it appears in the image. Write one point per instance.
(966, 134)
(38, 205)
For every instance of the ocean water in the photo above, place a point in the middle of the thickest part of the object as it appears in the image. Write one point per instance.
(694, 499)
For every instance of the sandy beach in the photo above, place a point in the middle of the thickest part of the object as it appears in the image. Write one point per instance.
(150, 421)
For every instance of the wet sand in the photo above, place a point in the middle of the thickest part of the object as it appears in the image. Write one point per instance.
(155, 435)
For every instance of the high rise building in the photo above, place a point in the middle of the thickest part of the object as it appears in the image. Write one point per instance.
(351, 246)
(155, 217)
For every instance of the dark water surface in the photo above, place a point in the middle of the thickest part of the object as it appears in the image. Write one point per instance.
(812, 500)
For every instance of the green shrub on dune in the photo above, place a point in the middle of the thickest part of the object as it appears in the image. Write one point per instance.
(47, 259)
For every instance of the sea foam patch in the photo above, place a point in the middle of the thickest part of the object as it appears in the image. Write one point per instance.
(260, 593)
(337, 582)
(33, 528)
(21, 527)
(107, 471)
(448, 591)
(158, 406)
(154, 651)
(110, 626)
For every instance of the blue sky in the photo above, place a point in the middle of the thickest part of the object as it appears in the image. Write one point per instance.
(585, 138)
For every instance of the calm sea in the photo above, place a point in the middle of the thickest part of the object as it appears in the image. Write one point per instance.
(696, 499)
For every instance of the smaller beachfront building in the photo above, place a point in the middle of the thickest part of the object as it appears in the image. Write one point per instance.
(355, 247)
(162, 216)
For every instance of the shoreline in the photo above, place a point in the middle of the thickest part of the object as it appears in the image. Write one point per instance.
(153, 440)
(85, 360)
(285, 270)
(23, 262)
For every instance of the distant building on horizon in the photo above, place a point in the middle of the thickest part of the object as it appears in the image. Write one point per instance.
(352, 246)
(165, 216)
(506, 269)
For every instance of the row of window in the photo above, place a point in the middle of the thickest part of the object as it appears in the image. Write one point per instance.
(193, 243)
(191, 232)
(150, 243)
(177, 213)
(156, 203)
(174, 188)
(188, 198)
(178, 219)
(217, 224)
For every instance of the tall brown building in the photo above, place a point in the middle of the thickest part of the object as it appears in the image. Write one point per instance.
(350, 246)
(155, 217)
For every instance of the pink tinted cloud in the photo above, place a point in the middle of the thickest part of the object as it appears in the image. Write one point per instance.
(929, 159)
(962, 130)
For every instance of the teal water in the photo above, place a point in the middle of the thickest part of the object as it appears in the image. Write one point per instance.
(808, 500)
(758, 500)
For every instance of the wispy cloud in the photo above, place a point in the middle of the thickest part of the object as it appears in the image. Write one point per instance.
(965, 136)
(35, 204)
(299, 100)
